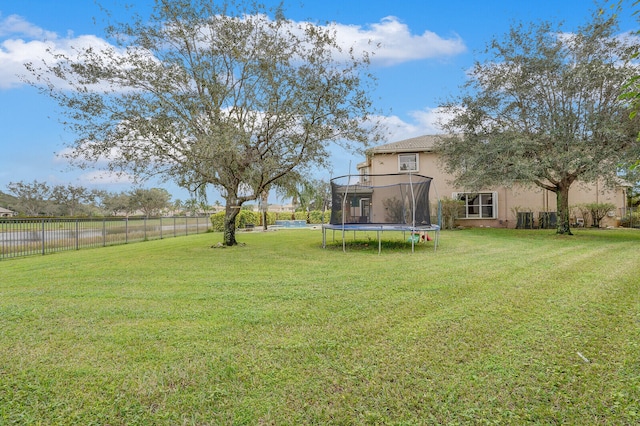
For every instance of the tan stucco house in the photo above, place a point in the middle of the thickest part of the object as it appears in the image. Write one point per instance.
(6, 212)
(498, 206)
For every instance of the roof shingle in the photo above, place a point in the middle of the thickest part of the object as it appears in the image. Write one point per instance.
(420, 143)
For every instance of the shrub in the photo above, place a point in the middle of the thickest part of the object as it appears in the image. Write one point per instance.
(450, 212)
(217, 222)
(284, 216)
(300, 215)
(271, 218)
(315, 216)
(244, 217)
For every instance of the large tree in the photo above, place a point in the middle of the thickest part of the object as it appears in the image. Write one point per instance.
(72, 198)
(230, 94)
(151, 202)
(116, 203)
(32, 198)
(544, 109)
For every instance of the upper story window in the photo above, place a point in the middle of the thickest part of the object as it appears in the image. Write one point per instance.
(408, 162)
(478, 205)
(364, 174)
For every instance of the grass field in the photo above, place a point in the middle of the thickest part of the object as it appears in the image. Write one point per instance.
(496, 327)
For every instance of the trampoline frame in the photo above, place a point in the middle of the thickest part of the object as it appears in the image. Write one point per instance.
(379, 228)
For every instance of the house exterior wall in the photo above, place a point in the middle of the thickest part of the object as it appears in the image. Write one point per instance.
(510, 200)
(6, 212)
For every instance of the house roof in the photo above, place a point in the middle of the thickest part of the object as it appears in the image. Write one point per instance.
(423, 143)
(3, 210)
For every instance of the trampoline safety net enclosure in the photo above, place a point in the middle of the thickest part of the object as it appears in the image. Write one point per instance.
(381, 202)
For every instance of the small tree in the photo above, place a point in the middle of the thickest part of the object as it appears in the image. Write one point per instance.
(191, 206)
(306, 193)
(177, 206)
(598, 211)
(584, 211)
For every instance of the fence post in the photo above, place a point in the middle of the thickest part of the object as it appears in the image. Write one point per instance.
(104, 232)
(77, 235)
(43, 248)
(126, 230)
(160, 227)
(144, 225)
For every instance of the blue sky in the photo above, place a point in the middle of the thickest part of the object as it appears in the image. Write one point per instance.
(428, 47)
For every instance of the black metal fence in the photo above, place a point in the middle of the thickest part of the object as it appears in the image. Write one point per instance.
(25, 237)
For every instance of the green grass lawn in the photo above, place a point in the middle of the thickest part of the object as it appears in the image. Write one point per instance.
(496, 327)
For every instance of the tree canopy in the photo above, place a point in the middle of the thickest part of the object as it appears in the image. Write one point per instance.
(229, 94)
(151, 202)
(31, 197)
(36, 198)
(544, 109)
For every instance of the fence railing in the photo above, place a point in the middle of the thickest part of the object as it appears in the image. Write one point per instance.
(31, 236)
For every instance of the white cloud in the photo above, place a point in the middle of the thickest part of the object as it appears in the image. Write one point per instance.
(65, 155)
(102, 177)
(62, 155)
(16, 26)
(22, 42)
(391, 41)
(98, 176)
(423, 122)
(396, 43)
(14, 53)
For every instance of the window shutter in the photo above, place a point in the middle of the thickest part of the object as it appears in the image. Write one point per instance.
(495, 204)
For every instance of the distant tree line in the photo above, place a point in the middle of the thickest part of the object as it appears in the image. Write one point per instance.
(40, 199)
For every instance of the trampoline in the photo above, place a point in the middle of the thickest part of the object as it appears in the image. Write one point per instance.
(381, 203)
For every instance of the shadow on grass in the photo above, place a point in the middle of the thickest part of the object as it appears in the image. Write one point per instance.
(372, 245)
(578, 234)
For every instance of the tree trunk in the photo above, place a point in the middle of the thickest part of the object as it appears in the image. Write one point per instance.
(562, 201)
(230, 224)
(264, 203)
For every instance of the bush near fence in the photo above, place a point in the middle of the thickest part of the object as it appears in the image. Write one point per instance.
(248, 217)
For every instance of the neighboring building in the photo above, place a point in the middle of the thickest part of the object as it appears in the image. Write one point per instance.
(6, 213)
(496, 206)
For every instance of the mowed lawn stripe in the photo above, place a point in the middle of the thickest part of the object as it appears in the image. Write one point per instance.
(489, 328)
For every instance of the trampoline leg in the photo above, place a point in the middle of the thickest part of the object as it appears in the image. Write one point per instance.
(379, 243)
